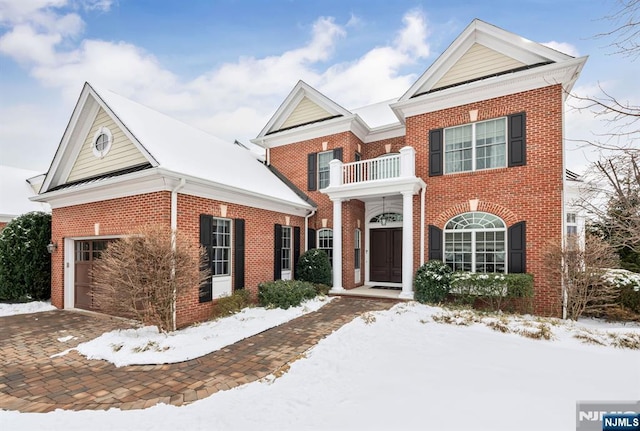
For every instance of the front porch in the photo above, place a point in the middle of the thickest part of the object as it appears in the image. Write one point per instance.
(369, 291)
(372, 181)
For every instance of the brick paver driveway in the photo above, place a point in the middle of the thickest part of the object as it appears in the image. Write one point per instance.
(32, 381)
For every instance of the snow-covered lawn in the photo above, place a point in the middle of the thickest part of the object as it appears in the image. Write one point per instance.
(412, 367)
(147, 346)
(24, 308)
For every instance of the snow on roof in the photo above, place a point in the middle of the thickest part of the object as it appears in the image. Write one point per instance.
(378, 114)
(15, 192)
(187, 150)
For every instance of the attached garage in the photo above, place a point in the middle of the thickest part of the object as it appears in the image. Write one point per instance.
(86, 252)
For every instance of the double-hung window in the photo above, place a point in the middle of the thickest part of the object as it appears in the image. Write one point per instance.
(286, 248)
(476, 146)
(325, 242)
(357, 248)
(221, 247)
(323, 168)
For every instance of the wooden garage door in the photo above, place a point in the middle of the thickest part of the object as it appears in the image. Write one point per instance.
(86, 252)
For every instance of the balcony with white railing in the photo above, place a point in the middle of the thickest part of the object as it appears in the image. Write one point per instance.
(381, 168)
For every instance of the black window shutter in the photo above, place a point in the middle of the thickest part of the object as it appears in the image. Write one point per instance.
(517, 139)
(277, 252)
(436, 152)
(311, 238)
(337, 153)
(435, 243)
(312, 175)
(206, 237)
(296, 247)
(516, 245)
(238, 253)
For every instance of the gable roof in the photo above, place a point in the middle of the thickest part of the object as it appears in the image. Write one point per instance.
(170, 146)
(513, 51)
(15, 190)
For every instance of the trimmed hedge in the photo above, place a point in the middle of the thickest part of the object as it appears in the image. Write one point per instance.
(25, 264)
(498, 291)
(314, 266)
(232, 304)
(285, 293)
(432, 282)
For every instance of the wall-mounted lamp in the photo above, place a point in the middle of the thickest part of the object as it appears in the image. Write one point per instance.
(383, 218)
(52, 246)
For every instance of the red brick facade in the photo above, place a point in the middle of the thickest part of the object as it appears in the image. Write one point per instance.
(117, 217)
(531, 193)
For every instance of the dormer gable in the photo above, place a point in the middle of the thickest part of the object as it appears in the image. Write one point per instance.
(304, 105)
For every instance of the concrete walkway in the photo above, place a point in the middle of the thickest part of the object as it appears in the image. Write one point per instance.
(32, 381)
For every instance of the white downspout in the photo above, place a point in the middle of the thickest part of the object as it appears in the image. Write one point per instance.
(174, 228)
(422, 202)
(306, 229)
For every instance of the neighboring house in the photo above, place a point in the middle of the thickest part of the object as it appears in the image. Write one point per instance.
(121, 165)
(574, 214)
(466, 166)
(16, 187)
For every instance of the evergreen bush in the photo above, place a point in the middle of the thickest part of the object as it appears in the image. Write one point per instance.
(432, 282)
(232, 304)
(285, 293)
(25, 264)
(314, 267)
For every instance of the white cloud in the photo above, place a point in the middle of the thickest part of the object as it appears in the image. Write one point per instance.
(413, 37)
(565, 48)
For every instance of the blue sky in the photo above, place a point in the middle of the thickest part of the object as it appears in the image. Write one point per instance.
(225, 66)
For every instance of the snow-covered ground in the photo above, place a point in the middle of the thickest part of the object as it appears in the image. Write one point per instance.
(24, 308)
(412, 367)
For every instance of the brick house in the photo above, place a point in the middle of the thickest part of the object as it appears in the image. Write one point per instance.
(121, 165)
(467, 166)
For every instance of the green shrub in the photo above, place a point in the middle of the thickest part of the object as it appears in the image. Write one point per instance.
(432, 282)
(314, 267)
(232, 304)
(505, 292)
(284, 293)
(25, 264)
(628, 284)
(630, 299)
(322, 289)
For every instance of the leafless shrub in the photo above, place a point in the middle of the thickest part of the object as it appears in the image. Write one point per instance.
(582, 268)
(142, 275)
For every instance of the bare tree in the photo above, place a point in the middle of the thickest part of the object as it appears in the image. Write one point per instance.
(143, 274)
(582, 270)
(626, 31)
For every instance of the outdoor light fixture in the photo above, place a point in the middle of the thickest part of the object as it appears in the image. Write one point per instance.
(383, 217)
(52, 246)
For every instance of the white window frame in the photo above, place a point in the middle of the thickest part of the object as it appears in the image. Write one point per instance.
(473, 233)
(357, 248)
(324, 169)
(106, 132)
(474, 146)
(572, 223)
(321, 246)
(285, 261)
(227, 247)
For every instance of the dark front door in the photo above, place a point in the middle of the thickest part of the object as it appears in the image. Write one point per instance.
(386, 255)
(86, 252)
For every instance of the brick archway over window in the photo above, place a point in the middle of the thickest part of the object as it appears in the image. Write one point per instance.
(505, 214)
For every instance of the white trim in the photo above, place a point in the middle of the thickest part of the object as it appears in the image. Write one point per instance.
(474, 146)
(102, 131)
(565, 73)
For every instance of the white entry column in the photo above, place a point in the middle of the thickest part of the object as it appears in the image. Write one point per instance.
(407, 245)
(337, 246)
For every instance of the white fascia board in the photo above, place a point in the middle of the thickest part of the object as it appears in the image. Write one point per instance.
(309, 131)
(6, 218)
(376, 188)
(386, 132)
(156, 180)
(556, 73)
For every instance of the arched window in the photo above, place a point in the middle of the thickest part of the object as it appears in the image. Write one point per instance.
(325, 242)
(475, 242)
